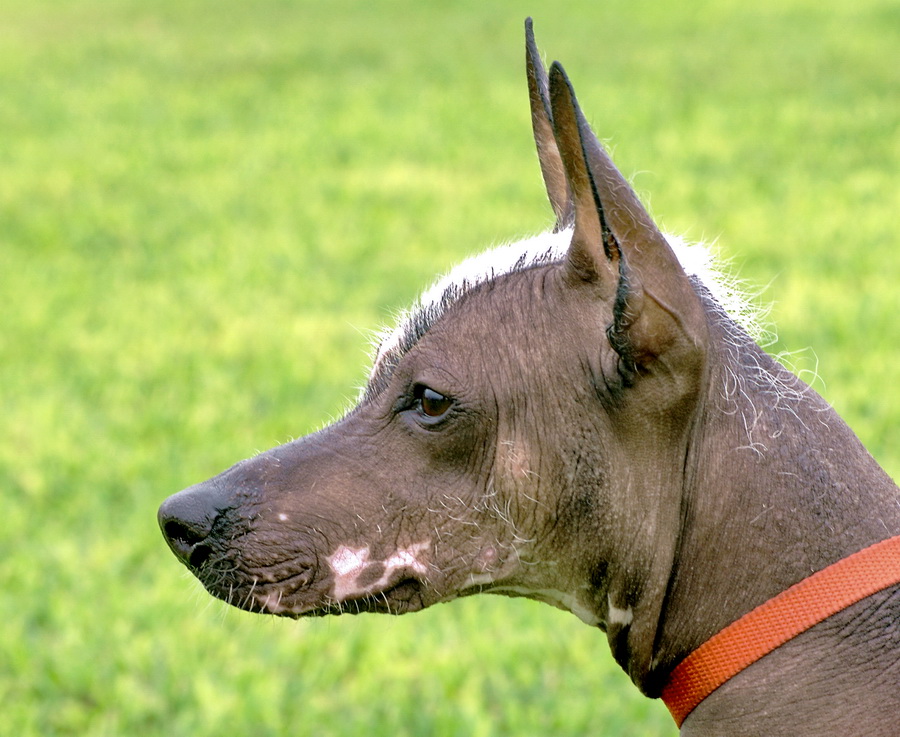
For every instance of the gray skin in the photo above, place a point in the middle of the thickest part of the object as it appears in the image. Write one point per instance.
(591, 431)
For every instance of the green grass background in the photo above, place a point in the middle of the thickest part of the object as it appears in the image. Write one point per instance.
(205, 207)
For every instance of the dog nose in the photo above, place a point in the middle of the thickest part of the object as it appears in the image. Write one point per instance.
(187, 518)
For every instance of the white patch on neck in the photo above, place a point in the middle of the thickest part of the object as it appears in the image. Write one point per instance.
(622, 617)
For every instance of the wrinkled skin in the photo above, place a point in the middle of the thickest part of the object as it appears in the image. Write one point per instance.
(590, 430)
(471, 496)
(506, 449)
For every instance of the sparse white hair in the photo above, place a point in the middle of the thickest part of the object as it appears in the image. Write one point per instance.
(697, 259)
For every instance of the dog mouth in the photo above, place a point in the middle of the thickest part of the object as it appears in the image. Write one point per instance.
(255, 571)
(403, 597)
(294, 590)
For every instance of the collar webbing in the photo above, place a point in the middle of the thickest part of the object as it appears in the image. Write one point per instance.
(778, 620)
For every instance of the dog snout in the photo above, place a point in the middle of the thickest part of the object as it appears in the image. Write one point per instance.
(187, 519)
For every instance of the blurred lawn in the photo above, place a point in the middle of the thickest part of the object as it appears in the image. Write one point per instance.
(206, 206)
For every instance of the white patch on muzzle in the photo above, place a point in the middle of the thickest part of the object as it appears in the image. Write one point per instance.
(348, 565)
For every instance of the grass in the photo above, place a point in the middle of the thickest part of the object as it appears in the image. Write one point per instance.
(204, 207)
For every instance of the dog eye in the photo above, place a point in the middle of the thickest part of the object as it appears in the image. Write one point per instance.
(431, 403)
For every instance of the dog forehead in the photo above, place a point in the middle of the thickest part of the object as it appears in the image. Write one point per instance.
(480, 269)
(393, 343)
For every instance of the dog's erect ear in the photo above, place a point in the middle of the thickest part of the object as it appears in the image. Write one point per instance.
(541, 121)
(615, 242)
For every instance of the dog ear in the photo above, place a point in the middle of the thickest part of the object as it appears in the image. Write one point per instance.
(541, 121)
(616, 243)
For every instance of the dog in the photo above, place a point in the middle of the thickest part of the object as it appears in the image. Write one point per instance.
(576, 418)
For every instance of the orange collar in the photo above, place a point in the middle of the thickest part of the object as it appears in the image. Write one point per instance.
(778, 620)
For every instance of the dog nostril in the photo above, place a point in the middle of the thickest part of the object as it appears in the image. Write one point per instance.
(186, 520)
(180, 534)
(198, 556)
(186, 542)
